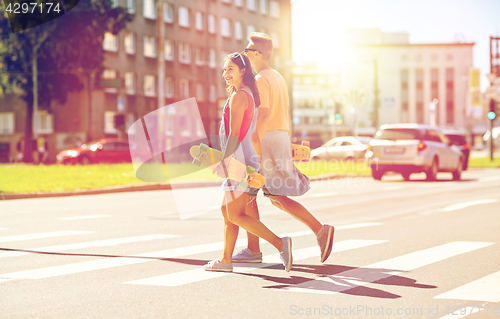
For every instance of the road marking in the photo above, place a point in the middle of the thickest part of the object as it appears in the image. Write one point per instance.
(489, 178)
(364, 275)
(99, 243)
(457, 314)
(468, 204)
(323, 195)
(137, 259)
(84, 217)
(43, 235)
(393, 188)
(484, 289)
(195, 275)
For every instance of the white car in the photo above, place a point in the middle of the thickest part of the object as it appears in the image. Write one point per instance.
(413, 148)
(342, 148)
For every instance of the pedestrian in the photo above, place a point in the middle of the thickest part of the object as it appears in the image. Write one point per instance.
(19, 150)
(42, 148)
(237, 125)
(271, 141)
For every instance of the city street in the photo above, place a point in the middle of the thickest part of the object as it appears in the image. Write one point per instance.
(412, 249)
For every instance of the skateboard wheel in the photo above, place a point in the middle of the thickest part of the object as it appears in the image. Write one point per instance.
(196, 162)
(203, 147)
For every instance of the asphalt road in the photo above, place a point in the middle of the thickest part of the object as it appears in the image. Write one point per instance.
(412, 249)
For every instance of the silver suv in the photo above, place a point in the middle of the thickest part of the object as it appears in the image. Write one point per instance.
(413, 148)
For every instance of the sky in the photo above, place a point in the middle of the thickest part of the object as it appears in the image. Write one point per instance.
(318, 26)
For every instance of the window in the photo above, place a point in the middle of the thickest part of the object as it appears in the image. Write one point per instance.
(238, 3)
(149, 47)
(45, 121)
(184, 53)
(420, 95)
(168, 12)
(108, 74)
(199, 21)
(274, 9)
(129, 82)
(149, 9)
(225, 1)
(212, 97)
(250, 30)
(129, 43)
(114, 3)
(435, 91)
(251, 5)
(238, 31)
(110, 42)
(276, 39)
(169, 126)
(225, 28)
(200, 130)
(169, 87)
(130, 127)
(199, 56)
(169, 50)
(404, 95)
(211, 24)
(200, 94)
(149, 85)
(263, 6)
(131, 6)
(212, 59)
(185, 125)
(184, 89)
(184, 17)
(7, 123)
(346, 143)
(449, 96)
(109, 122)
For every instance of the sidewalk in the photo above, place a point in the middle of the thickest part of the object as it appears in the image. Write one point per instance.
(141, 188)
(483, 153)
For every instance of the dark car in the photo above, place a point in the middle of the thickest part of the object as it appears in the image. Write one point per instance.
(460, 140)
(106, 150)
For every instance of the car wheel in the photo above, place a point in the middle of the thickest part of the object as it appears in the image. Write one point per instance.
(377, 175)
(466, 164)
(432, 171)
(406, 176)
(84, 160)
(458, 172)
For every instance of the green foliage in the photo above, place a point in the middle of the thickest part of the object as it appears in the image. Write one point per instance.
(66, 45)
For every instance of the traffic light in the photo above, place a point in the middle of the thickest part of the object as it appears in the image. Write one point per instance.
(492, 114)
(338, 116)
(120, 121)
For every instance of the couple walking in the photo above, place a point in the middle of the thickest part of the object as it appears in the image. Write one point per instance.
(255, 129)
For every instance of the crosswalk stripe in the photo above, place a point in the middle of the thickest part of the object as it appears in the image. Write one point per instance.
(468, 204)
(99, 243)
(346, 280)
(484, 289)
(195, 275)
(43, 235)
(136, 259)
(458, 313)
(83, 217)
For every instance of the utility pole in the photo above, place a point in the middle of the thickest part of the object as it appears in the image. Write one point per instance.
(494, 73)
(376, 92)
(161, 76)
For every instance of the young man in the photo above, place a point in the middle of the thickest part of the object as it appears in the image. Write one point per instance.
(271, 142)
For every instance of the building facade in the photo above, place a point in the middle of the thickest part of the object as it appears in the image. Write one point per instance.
(198, 34)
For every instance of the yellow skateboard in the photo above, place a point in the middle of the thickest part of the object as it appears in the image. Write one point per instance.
(245, 175)
(301, 152)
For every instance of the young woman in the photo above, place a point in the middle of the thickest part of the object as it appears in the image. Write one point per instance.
(237, 125)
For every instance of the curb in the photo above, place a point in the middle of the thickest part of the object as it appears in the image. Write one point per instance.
(141, 188)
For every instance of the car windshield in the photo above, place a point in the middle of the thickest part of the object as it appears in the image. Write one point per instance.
(398, 134)
(457, 139)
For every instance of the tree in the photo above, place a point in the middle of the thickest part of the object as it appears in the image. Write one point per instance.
(44, 61)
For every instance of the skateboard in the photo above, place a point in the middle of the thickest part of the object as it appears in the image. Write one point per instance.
(301, 152)
(245, 175)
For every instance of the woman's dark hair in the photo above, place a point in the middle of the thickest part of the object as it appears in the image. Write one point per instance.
(248, 77)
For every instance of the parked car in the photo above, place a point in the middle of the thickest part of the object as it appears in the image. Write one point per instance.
(342, 148)
(413, 148)
(460, 140)
(106, 150)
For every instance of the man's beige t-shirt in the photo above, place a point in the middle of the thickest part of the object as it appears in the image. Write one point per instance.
(273, 95)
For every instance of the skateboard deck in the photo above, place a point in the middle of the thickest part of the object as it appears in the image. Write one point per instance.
(245, 175)
(301, 152)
